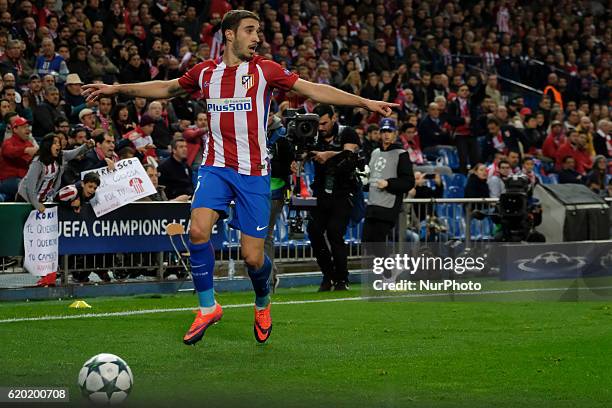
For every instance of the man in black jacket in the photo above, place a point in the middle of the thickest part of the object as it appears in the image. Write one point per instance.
(46, 114)
(391, 178)
(334, 185)
(431, 132)
(174, 172)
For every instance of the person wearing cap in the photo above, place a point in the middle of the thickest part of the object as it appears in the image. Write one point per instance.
(141, 139)
(391, 177)
(88, 119)
(15, 158)
(75, 102)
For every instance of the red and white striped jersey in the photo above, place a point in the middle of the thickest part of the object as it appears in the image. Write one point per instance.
(237, 102)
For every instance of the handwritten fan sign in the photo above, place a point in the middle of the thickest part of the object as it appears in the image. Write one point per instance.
(127, 183)
(40, 241)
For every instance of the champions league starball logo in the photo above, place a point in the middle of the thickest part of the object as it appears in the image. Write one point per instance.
(552, 262)
(606, 260)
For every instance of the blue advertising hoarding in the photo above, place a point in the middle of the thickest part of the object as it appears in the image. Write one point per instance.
(137, 227)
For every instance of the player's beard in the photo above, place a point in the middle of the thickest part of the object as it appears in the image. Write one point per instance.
(243, 56)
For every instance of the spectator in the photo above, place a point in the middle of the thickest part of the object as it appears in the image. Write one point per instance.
(460, 116)
(122, 123)
(528, 171)
(141, 139)
(431, 129)
(596, 179)
(496, 182)
(477, 186)
(371, 141)
(500, 140)
(554, 140)
(602, 140)
(134, 71)
(88, 120)
(423, 190)
(47, 113)
(568, 174)
(77, 194)
(100, 65)
(15, 157)
(50, 62)
(162, 137)
(175, 174)
(160, 193)
(410, 142)
(74, 101)
(13, 61)
(103, 155)
(195, 136)
(576, 147)
(78, 64)
(35, 95)
(44, 175)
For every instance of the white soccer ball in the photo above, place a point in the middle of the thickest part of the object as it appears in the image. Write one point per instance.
(105, 379)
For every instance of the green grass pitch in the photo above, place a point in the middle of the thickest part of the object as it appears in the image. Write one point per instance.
(334, 354)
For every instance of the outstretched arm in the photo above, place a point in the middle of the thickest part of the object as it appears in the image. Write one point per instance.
(151, 89)
(328, 94)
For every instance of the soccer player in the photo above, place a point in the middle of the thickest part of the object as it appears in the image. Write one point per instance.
(237, 89)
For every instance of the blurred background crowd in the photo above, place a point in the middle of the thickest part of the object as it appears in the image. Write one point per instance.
(486, 88)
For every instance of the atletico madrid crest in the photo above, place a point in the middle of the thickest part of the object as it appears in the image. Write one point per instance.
(248, 81)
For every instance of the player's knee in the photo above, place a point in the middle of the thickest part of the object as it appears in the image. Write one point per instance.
(198, 234)
(253, 259)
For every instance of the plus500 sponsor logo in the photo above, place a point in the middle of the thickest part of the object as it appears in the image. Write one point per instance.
(229, 105)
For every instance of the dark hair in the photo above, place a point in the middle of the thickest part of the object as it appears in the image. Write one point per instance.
(91, 177)
(492, 121)
(59, 120)
(116, 109)
(231, 20)
(324, 109)
(502, 162)
(176, 141)
(44, 150)
(77, 129)
(99, 138)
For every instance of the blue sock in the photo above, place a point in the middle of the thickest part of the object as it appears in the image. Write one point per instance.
(202, 268)
(261, 282)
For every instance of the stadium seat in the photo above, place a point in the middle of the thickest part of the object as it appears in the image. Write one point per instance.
(449, 156)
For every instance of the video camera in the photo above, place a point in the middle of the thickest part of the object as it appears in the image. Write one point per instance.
(517, 212)
(302, 130)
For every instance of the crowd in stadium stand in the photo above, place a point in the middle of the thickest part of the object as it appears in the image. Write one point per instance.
(487, 88)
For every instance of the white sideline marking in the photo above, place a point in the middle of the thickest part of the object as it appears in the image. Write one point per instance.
(290, 302)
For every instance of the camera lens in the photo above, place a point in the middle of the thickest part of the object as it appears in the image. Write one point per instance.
(306, 128)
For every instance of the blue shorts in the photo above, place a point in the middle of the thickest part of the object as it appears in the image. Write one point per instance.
(218, 186)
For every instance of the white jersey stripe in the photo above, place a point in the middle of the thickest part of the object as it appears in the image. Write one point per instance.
(241, 128)
(261, 113)
(215, 125)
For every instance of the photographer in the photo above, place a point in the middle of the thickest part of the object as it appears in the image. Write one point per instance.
(334, 184)
(390, 178)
